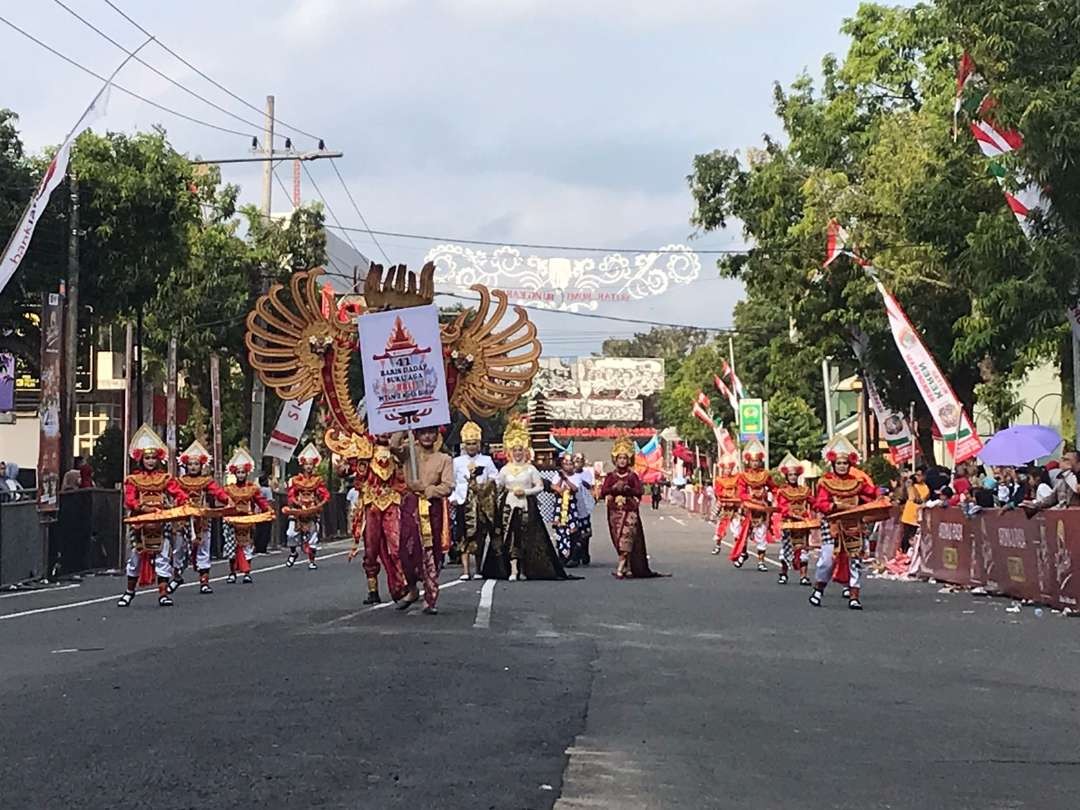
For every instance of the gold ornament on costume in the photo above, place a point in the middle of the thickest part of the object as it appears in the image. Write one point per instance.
(471, 433)
(516, 435)
(348, 445)
(146, 443)
(623, 446)
(300, 353)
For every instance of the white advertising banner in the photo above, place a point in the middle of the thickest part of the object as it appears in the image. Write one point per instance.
(286, 433)
(404, 371)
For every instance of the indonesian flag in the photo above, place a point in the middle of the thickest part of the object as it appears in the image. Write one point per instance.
(725, 442)
(703, 416)
(721, 386)
(736, 384)
(838, 243)
(703, 400)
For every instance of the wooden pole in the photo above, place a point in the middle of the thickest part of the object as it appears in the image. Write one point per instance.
(215, 414)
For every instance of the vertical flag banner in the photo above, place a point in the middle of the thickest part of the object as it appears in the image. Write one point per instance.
(729, 395)
(7, 381)
(49, 442)
(945, 409)
(286, 433)
(404, 375)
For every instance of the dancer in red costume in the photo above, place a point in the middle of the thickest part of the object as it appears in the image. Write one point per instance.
(193, 543)
(726, 512)
(797, 519)
(149, 488)
(307, 494)
(755, 486)
(380, 500)
(247, 499)
(842, 488)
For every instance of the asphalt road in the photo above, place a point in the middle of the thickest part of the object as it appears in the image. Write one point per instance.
(714, 688)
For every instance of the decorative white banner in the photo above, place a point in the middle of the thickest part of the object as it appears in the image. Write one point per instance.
(563, 283)
(404, 374)
(594, 410)
(286, 433)
(945, 409)
(602, 377)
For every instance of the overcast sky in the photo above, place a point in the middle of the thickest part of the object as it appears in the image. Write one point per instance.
(540, 121)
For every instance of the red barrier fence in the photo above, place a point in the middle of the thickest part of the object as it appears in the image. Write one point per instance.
(1009, 553)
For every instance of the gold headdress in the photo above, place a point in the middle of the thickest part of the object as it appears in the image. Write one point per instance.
(791, 465)
(241, 461)
(516, 435)
(753, 450)
(195, 452)
(840, 447)
(146, 443)
(624, 446)
(471, 433)
(309, 455)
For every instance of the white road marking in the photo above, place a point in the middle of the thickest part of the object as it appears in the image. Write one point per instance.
(37, 591)
(483, 610)
(372, 608)
(678, 520)
(114, 597)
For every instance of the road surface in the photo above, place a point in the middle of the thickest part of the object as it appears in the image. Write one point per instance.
(714, 688)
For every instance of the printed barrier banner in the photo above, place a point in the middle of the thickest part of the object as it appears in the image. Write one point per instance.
(1007, 553)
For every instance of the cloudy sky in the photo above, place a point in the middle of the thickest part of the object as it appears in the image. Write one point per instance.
(568, 122)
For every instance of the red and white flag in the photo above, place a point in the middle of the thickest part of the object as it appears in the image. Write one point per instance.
(736, 383)
(703, 400)
(703, 416)
(838, 243)
(729, 395)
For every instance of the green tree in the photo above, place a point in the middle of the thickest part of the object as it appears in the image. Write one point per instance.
(694, 374)
(874, 148)
(793, 428)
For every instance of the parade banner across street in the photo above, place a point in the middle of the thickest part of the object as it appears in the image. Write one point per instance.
(404, 374)
(285, 436)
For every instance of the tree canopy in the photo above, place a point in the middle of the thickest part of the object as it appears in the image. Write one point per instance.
(872, 144)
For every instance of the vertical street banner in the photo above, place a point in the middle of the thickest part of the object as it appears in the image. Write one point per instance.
(893, 424)
(170, 405)
(894, 427)
(945, 409)
(19, 242)
(285, 436)
(50, 442)
(404, 374)
(7, 382)
(215, 413)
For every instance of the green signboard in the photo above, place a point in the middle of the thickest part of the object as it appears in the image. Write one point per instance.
(751, 419)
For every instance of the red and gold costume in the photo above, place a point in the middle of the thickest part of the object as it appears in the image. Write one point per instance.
(841, 489)
(425, 519)
(793, 502)
(193, 540)
(148, 489)
(380, 503)
(247, 499)
(726, 490)
(754, 487)
(307, 494)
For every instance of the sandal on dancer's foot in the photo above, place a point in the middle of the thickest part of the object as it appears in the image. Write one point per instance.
(815, 598)
(805, 581)
(406, 603)
(125, 600)
(205, 588)
(230, 579)
(762, 567)
(372, 598)
(431, 611)
(175, 583)
(782, 579)
(165, 601)
(247, 580)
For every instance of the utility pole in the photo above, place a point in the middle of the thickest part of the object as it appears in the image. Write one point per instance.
(71, 324)
(258, 391)
(826, 378)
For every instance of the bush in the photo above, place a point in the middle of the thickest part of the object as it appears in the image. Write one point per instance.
(881, 470)
(108, 458)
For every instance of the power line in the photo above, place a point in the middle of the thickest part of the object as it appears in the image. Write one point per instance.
(329, 209)
(119, 87)
(356, 208)
(166, 77)
(216, 84)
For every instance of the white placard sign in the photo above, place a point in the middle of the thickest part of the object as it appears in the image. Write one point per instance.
(404, 374)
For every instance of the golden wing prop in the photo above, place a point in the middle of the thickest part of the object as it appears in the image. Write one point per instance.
(300, 353)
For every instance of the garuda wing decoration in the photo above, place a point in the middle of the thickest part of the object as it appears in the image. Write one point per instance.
(299, 352)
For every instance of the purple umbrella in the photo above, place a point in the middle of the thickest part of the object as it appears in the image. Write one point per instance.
(1020, 444)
